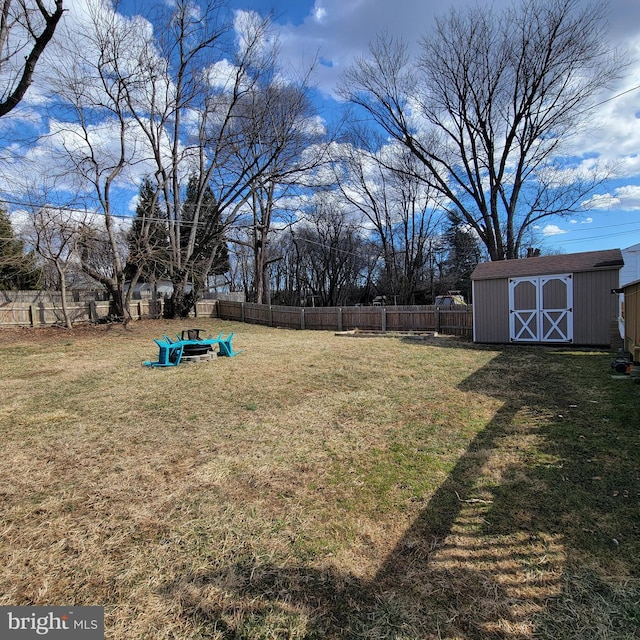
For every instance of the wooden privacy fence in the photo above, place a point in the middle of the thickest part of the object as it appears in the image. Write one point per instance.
(456, 320)
(48, 312)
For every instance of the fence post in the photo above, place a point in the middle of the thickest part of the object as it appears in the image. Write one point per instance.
(270, 316)
(339, 318)
(437, 329)
(242, 312)
(302, 318)
(92, 311)
(383, 318)
(32, 315)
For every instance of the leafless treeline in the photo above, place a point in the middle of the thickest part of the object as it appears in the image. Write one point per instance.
(228, 150)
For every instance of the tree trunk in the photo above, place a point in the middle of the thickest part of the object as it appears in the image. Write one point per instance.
(181, 302)
(63, 289)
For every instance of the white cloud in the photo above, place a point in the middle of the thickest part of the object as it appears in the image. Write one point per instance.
(626, 198)
(341, 30)
(319, 13)
(602, 201)
(552, 230)
(629, 196)
(222, 75)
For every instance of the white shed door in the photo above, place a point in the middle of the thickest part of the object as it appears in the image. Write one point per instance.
(541, 309)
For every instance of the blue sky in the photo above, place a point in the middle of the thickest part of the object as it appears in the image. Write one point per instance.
(341, 29)
(337, 31)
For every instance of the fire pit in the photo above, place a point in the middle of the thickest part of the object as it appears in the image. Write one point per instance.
(195, 349)
(194, 346)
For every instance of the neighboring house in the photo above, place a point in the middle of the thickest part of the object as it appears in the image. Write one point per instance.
(161, 289)
(631, 270)
(548, 299)
(164, 289)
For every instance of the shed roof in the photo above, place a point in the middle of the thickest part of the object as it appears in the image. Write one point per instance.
(548, 265)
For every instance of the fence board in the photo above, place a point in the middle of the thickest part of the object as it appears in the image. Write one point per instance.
(14, 316)
(206, 309)
(256, 313)
(150, 308)
(363, 318)
(287, 317)
(411, 319)
(230, 310)
(457, 321)
(48, 298)
(321, 318)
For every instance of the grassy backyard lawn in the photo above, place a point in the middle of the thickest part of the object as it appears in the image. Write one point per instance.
(319, 486)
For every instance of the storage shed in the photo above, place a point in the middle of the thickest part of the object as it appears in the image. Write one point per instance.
(632, 319)
(548, 299)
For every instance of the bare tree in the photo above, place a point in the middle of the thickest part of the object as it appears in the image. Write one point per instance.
(96, 139)
(488, 106)
(282, 123)
(283, 281)
(172, 108)
(26, 28)
(55, 236)
(209, 125)
(213, 114)
(331, 253)
(397, 204)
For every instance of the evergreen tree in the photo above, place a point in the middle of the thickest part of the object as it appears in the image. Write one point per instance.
(210, 252)
(464, 253)
(148, 238)
(18, 270)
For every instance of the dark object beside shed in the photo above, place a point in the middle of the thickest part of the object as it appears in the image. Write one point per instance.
(548, 299)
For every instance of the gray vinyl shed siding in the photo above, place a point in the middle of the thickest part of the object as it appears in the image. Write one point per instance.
(491, 315)
(595, 308)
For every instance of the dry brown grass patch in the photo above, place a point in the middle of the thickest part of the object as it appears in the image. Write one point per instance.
(315, 486)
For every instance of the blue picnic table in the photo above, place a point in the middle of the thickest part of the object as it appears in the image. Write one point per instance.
(171, 351)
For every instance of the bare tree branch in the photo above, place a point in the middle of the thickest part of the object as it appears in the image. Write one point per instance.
(488, 106)
(20, 19)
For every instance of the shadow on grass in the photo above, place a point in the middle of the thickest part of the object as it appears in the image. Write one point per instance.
(550, 481)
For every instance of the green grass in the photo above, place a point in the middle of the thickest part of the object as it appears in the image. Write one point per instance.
(318, 486)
